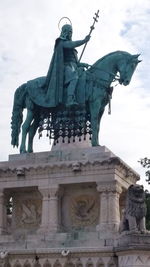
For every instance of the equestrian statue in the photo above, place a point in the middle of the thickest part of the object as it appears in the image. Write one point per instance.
(72, 96)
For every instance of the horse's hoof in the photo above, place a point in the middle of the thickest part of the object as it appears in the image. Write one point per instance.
(30, 151)
(22, 151)
(95, 144)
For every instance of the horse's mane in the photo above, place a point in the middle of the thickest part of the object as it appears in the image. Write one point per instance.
(108, 55)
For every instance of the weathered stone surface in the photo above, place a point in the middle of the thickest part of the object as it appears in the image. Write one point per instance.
(135, 210)
(133, 241)
(67, 203)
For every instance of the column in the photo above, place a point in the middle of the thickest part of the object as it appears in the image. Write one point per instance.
(49, 220)
(103, 214)
(114, 208)
(53, 209)
(45, 209)
(2, 212)
(109, 219)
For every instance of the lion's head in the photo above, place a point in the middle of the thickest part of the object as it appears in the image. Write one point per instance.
(135, 205)
(136, 191)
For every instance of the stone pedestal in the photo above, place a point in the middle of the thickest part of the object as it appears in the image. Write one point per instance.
(66, 210)
(133, 250)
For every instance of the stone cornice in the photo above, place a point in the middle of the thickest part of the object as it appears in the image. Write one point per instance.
(132, 249)
(111, 163)
(132, 242)
(57, 252)
(81, 251)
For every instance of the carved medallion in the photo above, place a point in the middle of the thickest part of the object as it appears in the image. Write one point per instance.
(84, 210)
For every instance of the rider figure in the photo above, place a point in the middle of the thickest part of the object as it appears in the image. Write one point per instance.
(71, 62)
(66, 61)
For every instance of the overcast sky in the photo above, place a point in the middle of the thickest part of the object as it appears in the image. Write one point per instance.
(28, 29)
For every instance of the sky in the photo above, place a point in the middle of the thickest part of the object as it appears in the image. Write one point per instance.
(28, 29)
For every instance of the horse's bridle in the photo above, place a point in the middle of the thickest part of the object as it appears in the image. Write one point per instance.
(109, 89)
(116, 77)
(100, 81)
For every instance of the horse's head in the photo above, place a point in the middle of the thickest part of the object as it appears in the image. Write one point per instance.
(126, 68)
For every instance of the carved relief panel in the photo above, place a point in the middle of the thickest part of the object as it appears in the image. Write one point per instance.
(80, 206)
(27, 210)
(83, 210)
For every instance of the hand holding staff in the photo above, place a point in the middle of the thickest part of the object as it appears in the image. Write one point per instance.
(91, 29)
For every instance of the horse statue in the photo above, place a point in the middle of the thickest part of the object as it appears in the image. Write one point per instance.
(118, 65)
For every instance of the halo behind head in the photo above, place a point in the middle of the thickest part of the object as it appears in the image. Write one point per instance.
(63, 21)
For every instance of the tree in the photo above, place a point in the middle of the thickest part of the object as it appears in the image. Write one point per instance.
(147, 200)
(145, 162)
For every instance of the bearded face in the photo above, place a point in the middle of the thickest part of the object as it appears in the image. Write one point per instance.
(66, 32)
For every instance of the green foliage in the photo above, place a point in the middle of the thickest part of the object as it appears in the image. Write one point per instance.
(148, 211)
(145, 162)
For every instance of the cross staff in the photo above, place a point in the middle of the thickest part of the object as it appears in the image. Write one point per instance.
(91, 29)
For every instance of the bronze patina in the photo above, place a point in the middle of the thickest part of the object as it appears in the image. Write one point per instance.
(71, 99)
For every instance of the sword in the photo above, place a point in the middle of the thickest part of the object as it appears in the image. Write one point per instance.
(109, 104)
(109, 100)
(91, 29)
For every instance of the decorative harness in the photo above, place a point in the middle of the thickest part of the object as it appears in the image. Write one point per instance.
(100, 82)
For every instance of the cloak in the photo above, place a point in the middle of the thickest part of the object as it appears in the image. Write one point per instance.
(55, 76)
(48, 92)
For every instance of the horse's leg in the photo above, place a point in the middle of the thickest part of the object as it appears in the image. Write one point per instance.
(25, 130)
(95, 121)
(32, 132)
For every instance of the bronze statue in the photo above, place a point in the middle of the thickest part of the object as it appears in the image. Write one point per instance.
(64, 69)
(69, 89)
(95, 95)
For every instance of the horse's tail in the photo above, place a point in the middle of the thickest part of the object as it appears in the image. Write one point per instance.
(17, 114)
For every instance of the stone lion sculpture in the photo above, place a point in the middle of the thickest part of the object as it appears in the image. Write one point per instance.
(135, 210)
